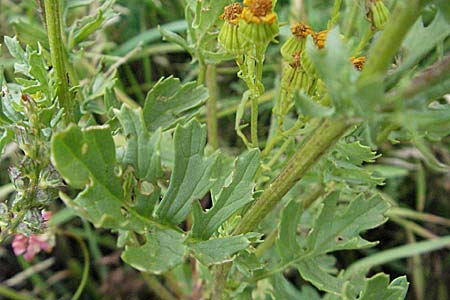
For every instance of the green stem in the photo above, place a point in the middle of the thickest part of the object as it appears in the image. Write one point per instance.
(306, 200)
(351, 19)
(13, 294)
(211, 106)
(416, 265)
(383, 51)
(335, 16)
(57, 54)
(364, 41)
(397, 253)
(314, 147)
(157, 287)
(420, 216)
(433, 76)
(254, 122)
(85, 252)
(201, 72)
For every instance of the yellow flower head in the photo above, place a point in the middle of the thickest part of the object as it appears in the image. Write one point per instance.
(320, 38)
(258, 11)
(301, 30)
(358, 62)
(231, 13)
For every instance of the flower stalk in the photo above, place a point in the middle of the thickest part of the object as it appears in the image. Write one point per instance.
(211, 106)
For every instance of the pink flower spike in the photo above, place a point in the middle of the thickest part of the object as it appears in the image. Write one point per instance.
(32, 245)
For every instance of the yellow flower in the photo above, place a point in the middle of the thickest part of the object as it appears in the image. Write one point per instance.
(229, 36)
(301, 30)
(232, 13)
(295, 43)
(320, 38)
(258, 11)
(258, 22)
(358, 62)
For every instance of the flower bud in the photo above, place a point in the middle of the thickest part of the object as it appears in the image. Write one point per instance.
(377, 13)
(258, 22)
(320, 38)
(297, 42)
(229, 36)
(294, 76)
(358, 62)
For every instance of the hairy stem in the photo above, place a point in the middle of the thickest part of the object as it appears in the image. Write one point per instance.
(324, 136)
(321, 139)
(381, 54)
(211, 106)
(58, 53)
(434, 75)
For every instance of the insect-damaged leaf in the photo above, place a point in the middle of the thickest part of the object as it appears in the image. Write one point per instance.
(191, 176)
(337, 229)
(86, 160)
(232, 197)
(162, 251)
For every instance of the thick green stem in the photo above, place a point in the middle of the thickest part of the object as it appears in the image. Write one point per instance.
(381, 54)
(58, 53)
(317, 143)
(306, 200)
(324, 136)
(433, 76)
(211, 106)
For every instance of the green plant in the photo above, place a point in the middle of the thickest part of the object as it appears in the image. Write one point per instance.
(303, 188)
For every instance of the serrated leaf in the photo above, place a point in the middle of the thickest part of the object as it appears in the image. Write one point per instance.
(218, 251)
(143, 148)
(345, 164)
(231, 198)
(421, 40)
(162, 251)
(311, 271)
(378, 287)
(285, 290)
(335, 229)
(191, 176)
(170, 102)
(287, 245)
(86, 160)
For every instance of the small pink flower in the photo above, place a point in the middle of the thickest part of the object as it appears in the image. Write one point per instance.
(31, 245)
